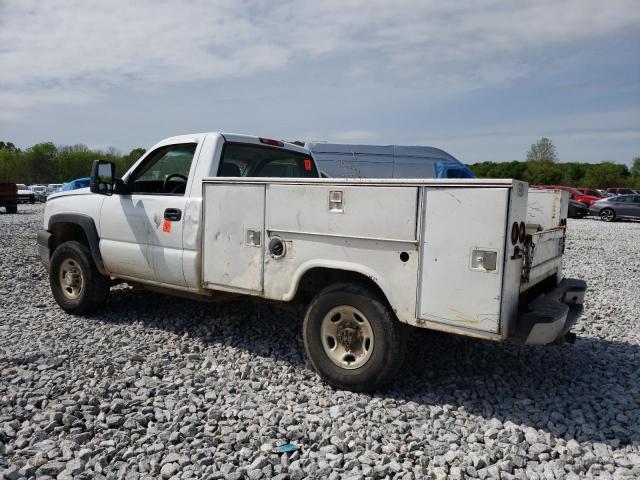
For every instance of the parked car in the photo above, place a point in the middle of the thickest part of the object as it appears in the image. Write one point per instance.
(621, 206)
(76, 184)
(620, 191)
(24, 194)
(604, 193)
(40, 191)
(577, 209)
(9, 197)
(591, 192)
(574, 194)
(199, 215)
(52, 188)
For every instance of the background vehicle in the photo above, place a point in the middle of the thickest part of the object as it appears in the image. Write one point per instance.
(51, 189)
(621, 206)
(591, 192)
(577, 209)
(385, 161)
(207, 215)
(574, 194)
(24, 194)
(9, 197)
(620, 191)
(75, 184)
(40, 191)
(604, 193)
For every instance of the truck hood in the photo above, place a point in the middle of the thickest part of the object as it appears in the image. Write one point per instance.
(66, 193)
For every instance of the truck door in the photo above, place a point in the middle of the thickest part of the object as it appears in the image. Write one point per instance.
(141, 231)
(462, 256)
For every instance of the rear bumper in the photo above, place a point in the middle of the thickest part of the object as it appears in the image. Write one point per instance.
(549, 317)
(43, 241)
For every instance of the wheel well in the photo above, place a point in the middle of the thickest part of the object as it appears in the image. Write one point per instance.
(315, 279)
(64, 232)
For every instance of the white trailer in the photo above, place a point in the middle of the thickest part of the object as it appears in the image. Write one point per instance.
(205, 216)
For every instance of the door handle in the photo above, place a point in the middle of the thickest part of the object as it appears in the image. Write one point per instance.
(173, 214)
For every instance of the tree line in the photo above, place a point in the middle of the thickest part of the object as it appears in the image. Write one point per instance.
(48, 163)
(542, 168)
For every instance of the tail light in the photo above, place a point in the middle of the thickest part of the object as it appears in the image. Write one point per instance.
(514, 233)
(522, 233)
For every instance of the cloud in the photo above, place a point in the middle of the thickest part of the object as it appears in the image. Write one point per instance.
(74, 50)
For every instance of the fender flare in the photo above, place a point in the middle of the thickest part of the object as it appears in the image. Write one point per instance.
(336, 265)
(91, 232)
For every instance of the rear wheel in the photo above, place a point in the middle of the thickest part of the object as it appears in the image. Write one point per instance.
(607, 215)
(12, 208)
(75, 282)
(352, 339)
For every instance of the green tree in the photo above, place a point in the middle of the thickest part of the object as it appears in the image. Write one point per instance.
(607, 174)
(8, 165)
(37, 163)
(8, 146)
(635, 168)
(543, 151)
(125, 162)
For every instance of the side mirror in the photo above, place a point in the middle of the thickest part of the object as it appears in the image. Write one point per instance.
(103, 176)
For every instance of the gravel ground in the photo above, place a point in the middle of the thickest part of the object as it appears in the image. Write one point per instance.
(158, 387)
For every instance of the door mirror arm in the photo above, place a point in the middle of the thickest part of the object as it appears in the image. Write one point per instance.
(121, 187)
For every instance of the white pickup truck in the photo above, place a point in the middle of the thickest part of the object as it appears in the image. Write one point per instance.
(217, 214)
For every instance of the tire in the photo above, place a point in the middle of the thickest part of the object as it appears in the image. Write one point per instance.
(12, 208)
(337, 308)
(607, 215)
(87, 289)
(32, 200)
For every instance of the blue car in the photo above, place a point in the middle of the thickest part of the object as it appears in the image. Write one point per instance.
(76, 184)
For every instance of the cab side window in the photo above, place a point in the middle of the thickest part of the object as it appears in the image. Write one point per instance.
(165, 171)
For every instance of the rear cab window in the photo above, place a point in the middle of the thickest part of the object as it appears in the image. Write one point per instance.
(249, 160)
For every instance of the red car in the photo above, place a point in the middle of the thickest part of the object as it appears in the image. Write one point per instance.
(591, 192)
(575, 194)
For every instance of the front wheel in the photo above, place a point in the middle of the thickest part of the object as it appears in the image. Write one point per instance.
(76, 284)
(607, 215)
(352, 338)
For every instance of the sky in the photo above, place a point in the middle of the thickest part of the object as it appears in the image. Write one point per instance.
(482, 80)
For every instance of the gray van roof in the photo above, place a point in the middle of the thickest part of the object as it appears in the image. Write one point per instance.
(392, 150)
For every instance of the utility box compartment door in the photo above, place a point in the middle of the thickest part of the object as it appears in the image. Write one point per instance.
(233, 242)
(462, 250)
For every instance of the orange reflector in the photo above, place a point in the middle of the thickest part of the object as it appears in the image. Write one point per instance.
(307, 164)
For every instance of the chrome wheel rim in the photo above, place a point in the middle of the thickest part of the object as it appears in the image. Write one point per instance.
(71, 279)
(347, 337)
(607, 215)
